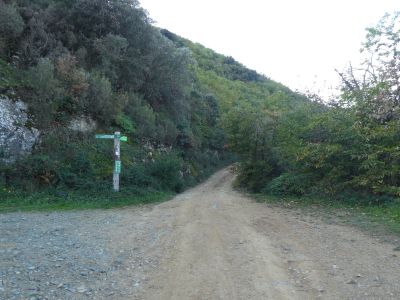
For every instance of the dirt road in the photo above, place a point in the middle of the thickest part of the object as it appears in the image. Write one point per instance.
(208, 243)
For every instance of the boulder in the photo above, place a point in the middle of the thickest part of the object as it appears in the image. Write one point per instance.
(16, 138)
(83, 124)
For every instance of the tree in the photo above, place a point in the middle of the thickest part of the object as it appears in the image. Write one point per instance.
(373, 94)
(374, 88)
(11, 27)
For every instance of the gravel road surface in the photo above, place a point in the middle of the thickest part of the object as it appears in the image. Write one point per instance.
(210, 242)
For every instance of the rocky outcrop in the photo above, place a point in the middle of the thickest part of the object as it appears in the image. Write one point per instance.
(83, 124)
(16, 139)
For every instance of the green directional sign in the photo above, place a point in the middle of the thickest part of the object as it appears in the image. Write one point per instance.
(117, 167)
(111, 136)
(104, 136)
(118, 138)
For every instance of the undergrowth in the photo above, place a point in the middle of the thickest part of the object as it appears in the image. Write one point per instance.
(67, 200)
(370, 213)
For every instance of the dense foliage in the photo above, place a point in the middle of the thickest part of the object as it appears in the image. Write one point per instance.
(185, 107)
(103, 61)
(250, 105)
(348, 146)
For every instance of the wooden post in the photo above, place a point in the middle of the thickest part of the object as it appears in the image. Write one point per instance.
(117, 160)
(117, 154)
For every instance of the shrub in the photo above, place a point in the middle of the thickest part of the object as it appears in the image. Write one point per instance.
(125, 123)
(48, 92)
(79, 172)
(102, 104)
(8, 75)
(255, 175)
(166, 169)
(289, 184)
(139, 176)
(11, 26)
(34, 171)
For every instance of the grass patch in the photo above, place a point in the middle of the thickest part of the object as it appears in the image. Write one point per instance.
(70, 200)
(380, 217)
(97, 197)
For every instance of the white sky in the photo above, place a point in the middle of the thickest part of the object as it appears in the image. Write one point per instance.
(296, 42)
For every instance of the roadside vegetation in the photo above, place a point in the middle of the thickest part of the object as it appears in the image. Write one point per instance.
(49, 200)
(104, 63)
(335, 156)
(381, 218)
(187, 111)
(348, 147)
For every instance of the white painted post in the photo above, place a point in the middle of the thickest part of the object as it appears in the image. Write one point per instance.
(117, 160)
(117, 154)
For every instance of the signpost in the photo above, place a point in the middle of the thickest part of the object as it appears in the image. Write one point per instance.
(117, 154)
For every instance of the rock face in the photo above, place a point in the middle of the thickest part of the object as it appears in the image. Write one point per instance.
(82, 124)
(16, 139)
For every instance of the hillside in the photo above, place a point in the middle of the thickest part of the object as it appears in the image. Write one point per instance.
(232, 83)
(84, 67)
(321, 214)
(345, 150)
(70, 69)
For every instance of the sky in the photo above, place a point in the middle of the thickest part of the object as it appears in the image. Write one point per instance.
(299, 43)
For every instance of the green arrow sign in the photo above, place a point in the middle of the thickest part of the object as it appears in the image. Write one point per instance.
(104, 136)
(111, 136)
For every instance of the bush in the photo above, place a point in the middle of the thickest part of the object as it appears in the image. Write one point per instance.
(167, 170)
(139, 176)
(11, 26)
(48, 93)
(8, 75)
(33, 172)
(102, 103)
(142, 117)
(79, 172)
(365, 198)
(125, 123)
(255, 175)
(289, 184)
